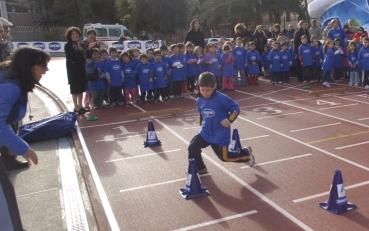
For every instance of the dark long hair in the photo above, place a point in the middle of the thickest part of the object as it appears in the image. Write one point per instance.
(21, 64)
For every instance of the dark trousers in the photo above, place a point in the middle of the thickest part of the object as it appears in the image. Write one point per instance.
(161, 92)
(177, 87)
(191, 83)
(116, 95)
(317, 73)
(299, 70)
(276, 77)
(285, 76)
(366, 78)
(197, 143)
(327, 76)
(9, 194)
(339, 72)
(306, 73)
(147, 95)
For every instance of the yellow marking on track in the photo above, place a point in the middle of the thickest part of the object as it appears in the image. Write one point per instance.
(338, 136)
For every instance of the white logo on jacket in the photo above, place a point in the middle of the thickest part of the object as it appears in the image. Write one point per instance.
(207, 113)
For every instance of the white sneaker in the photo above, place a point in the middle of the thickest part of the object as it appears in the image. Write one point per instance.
(251, 162)
(327, 84)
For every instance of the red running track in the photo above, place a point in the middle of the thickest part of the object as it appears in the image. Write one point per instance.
(298, 141)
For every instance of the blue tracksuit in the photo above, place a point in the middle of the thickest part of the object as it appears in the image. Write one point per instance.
(145, 73)
(160, 73)
(253, 59)
(353, 61)
(338, 33)
(130, 80)
(306, 55)
(228, 69)
(191, 69)
(212, 111)
(274, 58)
(178, 67)
(286, 61)
(338, 58)
(13, 106)
(318, 56)
(115, 72)
(213, 63)
(95, 85)
(364, 59)
(239, 54)
(328, 60)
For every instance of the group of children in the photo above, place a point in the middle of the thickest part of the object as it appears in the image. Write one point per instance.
(156, 75)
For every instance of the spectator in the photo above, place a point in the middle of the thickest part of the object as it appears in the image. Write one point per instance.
(348, 31)
(327, 29)
(357, 36)
(276, 31)
(337, 33)
(315, 30)
(195, 35)
(75, 61)
(260, 38)
(19, 77)
(296, 44)
(289, 32)
(143, 35)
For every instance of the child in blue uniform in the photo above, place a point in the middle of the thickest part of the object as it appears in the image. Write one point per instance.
(130, 80)
(228, 70)
(217, 112)
(115, 76)
(317, 59)
(327, 65)
(96, 82)
(364, 62)
(191, 70)
(306, 58)
(274, 58)
(353, 65)
(239, 53)
(161, 79)
(253, 59)
(145, 73)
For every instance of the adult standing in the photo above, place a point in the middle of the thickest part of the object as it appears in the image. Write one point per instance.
(315, 30)
(195, 35)
(18, 77)
(359, 34)
(75, 62)
(337, 33)
(302, 30)
(260, 38)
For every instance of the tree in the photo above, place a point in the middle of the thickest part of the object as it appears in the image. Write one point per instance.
(164, 16)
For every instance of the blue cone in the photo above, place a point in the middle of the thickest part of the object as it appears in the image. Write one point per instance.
(151, 138)
(193, 187)
(337, 202)
(235, 145)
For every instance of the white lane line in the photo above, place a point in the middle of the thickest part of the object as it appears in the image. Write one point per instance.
(38, 192)
(307, 109)
(108, 124)
(157, 184)
(272, 116)
(213, 222)
(351, 145)
(99, 187)
(327, 193)
(361, 119)
(144, 155)
(280, 160)
(121, 137)
(254, 137)
(308, 145)
(281, 210)
(346, 105)
(189, 128)
(320, 126)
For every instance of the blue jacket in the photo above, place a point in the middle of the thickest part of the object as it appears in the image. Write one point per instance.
(338, 58)
(228, 69)
(130, 80)
(160, 72)
(95, 85)
(286, 61)
(239, 54)
(191, 60)
(145, 73)
(364, 59)
(115, 72)
(253, 59)
(274, 58)
(318, 56)
(306, 55)
(212, 111)
(13, 107)
(213, 63)
(338, 33)
(328, 60)
(178, 67)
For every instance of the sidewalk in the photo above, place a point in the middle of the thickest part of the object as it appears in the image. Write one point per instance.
(47, 197)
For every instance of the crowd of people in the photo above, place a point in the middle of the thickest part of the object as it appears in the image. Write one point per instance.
(108, 76)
